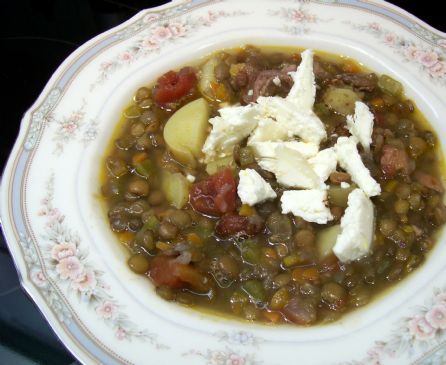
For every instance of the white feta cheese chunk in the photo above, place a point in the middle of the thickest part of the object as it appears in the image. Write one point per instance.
(324, 163)
(303, 91)
(350, 160)
(190, 178)
(307, 204)
(268, 149)
(361, 124)
(277, 81)
(291, 169)
(268, 130)
(345, 185)
(253, 189)
(302, 123)
(357, 227)
(232, 126)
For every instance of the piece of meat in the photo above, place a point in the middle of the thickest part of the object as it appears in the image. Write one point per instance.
(300, 311)
(429, 181)
(319, 71)
(265, 84)
(233, 225)
(394, 160)
(245, 77)
(360, 81)
(337, 177)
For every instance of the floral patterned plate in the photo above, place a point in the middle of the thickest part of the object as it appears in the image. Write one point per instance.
(70, 262)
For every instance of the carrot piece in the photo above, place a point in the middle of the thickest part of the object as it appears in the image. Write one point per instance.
(126, 237)
(273, 317)
(246, 211)
(219, 91)
(297, 274)
(162, 246)
(351, 66)
(330, 263)
(296, 57)
(191, 276)
(139, 157)
(378, 103)
(270, 253)
(311, 274)
(194, 239)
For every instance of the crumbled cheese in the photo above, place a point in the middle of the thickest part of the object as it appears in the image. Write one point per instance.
(250, 92)
(291, 169)
(253, 189)
(268, 149)
(232, 126)
(302, 123)
(303, 91)
(268, 130)
(357, 226)
(350, 160)
(361, 124)
(307, 204)
(345, 185)
(324, 163)
(277, 81)
(190, 178)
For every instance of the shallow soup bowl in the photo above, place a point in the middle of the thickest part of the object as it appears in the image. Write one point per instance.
(51, 208)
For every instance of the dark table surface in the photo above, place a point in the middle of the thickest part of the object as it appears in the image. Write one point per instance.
(35, 37)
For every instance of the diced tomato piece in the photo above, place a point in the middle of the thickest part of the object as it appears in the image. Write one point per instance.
(234, 225)
(215, 195)
(172, 86)
(429, 181)
(330, 263)
(379, 119)
(167, 271)
(394, 159)
(189, 275)
(162, 273)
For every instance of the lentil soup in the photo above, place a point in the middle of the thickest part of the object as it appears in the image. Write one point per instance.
(274, 185)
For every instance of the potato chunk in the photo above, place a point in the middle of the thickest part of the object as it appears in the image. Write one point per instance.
(176, 188)
(185, 131)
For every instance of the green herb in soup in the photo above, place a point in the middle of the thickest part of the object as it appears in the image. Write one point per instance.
(274, 185)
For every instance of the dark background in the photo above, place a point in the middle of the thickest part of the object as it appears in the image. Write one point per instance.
(35, 37)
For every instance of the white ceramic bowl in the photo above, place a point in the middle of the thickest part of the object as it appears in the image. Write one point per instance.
(56, 229)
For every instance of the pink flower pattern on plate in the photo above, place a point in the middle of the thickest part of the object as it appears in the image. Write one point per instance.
(39, 278)
(430, 60)
(120, 333)
(162, 33)
(420, 329)
(438, 70)
(177, 29)
(106, 310)
(390, 38)
(217, 358)
(411, 53)
(150, 17)
(126, 57)
(235, 359)
(375, 26)
(69, 268)
(427, 58)
(63, 250)
(85, 282)
(441, 298)
(150, 43)
(436, 317)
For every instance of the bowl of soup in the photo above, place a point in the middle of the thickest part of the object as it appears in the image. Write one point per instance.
(238, 183)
